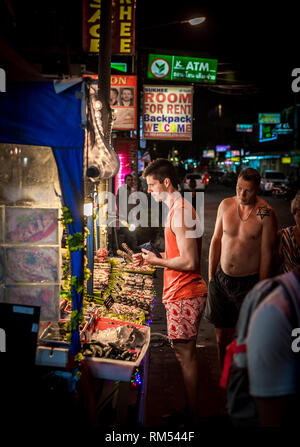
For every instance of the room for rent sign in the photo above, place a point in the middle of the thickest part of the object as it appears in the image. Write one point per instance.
(167, 112)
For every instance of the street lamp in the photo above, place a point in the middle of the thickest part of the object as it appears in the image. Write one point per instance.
(193, 22)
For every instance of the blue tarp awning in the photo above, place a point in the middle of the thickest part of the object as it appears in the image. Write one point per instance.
(41, 114)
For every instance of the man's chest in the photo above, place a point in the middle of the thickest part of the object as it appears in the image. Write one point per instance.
(247, 227)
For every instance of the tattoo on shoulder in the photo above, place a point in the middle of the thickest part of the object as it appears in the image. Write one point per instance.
(263, 211)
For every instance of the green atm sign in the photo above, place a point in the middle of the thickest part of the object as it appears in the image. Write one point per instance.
(182, 68)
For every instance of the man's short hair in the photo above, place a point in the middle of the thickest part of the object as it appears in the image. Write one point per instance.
(126, 176)
(127, 88)
(161, 169)
(250, 175)
(295, 204)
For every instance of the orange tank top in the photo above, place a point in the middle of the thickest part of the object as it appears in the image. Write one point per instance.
(180, 285)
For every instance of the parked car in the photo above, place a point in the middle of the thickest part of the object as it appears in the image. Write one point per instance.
(270, 178)
(199, 179)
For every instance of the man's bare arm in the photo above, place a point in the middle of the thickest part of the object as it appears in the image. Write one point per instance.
(215, 244)
(268, 244)
(189, 258)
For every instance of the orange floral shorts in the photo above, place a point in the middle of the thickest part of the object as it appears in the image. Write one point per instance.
(183, 317)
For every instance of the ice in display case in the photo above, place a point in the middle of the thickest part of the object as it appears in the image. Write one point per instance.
(32, 264)
(28, 176)
(30, 232)
(107, 368)
(34, 295)
(53, 348)
(31, 225)
(30, 258)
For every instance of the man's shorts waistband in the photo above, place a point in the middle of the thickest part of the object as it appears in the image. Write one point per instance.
(240, 278)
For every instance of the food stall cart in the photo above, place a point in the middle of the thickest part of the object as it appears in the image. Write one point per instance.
(47, 119)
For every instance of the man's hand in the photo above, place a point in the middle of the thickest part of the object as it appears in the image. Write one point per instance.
(137, 259)
(149, 257)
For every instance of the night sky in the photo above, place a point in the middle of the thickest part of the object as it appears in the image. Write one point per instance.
(257, 40)
(256, 45)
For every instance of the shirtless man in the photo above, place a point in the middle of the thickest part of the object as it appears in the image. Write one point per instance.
(185, 291)
(243, 244)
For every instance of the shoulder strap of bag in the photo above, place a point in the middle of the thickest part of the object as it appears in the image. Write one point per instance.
(231, 349)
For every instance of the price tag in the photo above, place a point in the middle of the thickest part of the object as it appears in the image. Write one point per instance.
(109, 302)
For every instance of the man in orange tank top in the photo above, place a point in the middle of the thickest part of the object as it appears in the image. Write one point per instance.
(184, 294)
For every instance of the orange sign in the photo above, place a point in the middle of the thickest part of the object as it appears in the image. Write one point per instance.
(123, 100)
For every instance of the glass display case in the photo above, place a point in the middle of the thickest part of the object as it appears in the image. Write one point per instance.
(30, 233)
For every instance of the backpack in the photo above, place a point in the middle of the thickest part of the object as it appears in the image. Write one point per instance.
(241, 405)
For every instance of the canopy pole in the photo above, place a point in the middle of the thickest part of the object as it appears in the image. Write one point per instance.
(104, 69)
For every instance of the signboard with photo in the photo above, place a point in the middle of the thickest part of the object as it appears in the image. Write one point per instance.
(123, 100)
(167, 112)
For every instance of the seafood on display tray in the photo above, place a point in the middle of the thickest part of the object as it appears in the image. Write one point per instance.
(133, 290)
(119, 343)
(122, 312)
(126, 336)
(137, 269)
(117, 311)
(114, 336)
(101, 276)
(100, 350)
(102, 255)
